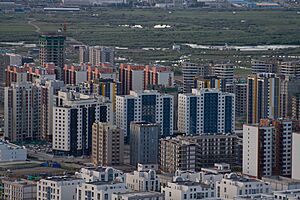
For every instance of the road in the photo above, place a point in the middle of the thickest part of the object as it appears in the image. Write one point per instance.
(37, 28)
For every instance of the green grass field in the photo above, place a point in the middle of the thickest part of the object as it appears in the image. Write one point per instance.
(101, 27)
(187, 26)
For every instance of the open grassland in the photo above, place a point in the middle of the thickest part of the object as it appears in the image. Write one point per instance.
(104, 27)
(187, 26)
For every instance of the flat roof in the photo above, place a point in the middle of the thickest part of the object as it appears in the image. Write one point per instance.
(141, 194)
(191, 183)
(62, 178)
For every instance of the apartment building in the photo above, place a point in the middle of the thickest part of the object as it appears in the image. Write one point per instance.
(240, 92)
(73, 118)
(107, 144)
(10, 152)
(267, 148)
(132, 78)
(177, 154)
(189, 72)
(58, 187)
(206, 111)
(144, 143)
(29, 72)
(149, 106)
(261, 66)
(158, 76)
(263, 97)
(194, 152)
(52, 50)
(233, 185)
(290, 69)
(209, 81)
(22, 113)
(99, 173)
(144, 179)
(187, 190)
(224, 71)
(295, 157)
(100, 190)
(19, 190)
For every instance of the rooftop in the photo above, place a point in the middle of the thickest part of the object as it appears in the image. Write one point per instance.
(280, 179)
(20, 182)
(8, 145)
(141, 194)
(105, 182)
(191, 183)
(237, 178)
(62, 178)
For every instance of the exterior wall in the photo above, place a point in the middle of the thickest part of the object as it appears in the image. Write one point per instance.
(229, 188)
(206, 111)
(10, 152)
(187, 190)
(165, 78)
(22, 112)
(295, 156)
(250, 150)
(143, 181)
(58, 188)
(189, 72)
(263, 97)
(290, 69)
(19, 190)
(107, 145)
(74, 116)
(52, 49)
(267, 148)
(48, 91)
(103, 174)
(193, 153)
(177, 155)
(224, 71)
(81, 76)
(240, 91)
(144, 143)
(137, 80)
(99, 190)
(259, 66)
(138, 107)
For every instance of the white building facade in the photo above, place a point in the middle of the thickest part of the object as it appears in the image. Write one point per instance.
(148, 106)
(73, 117)
(58, 188)
(181, 190)
(232, 186)
(267, 148)
(206, 111)
(143, 180)
(11, 152)
(93, 174)
(100, 190)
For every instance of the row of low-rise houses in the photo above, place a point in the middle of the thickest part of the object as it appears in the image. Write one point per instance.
(107, 183)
